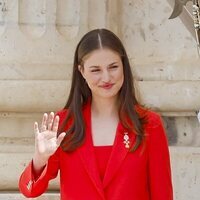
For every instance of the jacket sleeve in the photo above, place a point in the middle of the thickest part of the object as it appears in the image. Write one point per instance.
(32, 186)
(160, 182)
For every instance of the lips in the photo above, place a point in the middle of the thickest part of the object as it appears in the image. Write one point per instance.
(107, 86)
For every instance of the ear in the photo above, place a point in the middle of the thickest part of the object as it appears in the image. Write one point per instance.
(80, 68)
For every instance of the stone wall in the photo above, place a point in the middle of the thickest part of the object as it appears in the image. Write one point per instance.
(37, 42)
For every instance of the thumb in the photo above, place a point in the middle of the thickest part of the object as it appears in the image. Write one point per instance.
(60, 138)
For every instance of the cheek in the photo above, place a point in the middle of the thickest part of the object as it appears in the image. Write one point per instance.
(92, 79)
(120, 75)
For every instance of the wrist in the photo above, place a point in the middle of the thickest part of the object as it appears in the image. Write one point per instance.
(39, 161)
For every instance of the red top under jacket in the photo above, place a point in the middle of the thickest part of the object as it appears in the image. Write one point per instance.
(102, 154)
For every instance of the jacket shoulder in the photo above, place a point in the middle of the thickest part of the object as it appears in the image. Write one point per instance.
(151, 118)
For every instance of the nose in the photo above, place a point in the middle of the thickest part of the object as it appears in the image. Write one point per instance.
(106, 76)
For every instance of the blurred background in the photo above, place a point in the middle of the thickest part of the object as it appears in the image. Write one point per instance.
(37, 43)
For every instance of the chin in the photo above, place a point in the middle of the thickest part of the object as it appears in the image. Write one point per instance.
(108, 96)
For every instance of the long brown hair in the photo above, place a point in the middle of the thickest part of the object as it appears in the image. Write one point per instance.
(80, 92)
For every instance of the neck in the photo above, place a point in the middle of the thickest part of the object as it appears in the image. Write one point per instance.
(105, 107)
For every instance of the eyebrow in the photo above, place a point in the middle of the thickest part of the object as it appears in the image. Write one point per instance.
(108, 65)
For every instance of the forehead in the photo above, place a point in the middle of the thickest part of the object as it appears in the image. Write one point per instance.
(101, 57)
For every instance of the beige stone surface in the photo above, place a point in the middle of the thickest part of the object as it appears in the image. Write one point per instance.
(182, 131)
(150, 36)
(33, 95)
(37, 43)
(35, 71)
(186, 176)
(11, 167)
(188, 130)
(183, 70)
(169, 96)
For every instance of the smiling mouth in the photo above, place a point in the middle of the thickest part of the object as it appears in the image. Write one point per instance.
(107, 86)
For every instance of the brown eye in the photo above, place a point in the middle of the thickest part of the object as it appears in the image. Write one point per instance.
(114, 67)
(95, 70)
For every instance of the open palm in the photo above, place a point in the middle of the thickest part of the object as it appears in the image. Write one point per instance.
(46, 140)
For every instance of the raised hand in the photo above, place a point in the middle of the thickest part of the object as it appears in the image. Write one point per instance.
(46, 140)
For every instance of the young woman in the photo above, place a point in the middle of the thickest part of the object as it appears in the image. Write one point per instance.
(105, 145)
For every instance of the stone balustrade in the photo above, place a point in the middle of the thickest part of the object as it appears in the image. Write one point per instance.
(37, 43)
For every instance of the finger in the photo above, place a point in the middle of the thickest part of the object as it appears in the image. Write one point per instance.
(55, 124)
(44, 122)
(50, 121)
(36, 129)
(198, 116)
(60, 138)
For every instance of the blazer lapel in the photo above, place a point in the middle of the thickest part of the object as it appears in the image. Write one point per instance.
(86, 152)
(118, 154)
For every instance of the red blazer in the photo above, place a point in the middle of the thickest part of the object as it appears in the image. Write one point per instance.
(142, 175)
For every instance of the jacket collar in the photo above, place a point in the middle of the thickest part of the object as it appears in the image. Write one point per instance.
(118, 154)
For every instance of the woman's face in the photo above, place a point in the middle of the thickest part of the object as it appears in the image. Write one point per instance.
(103, 72)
